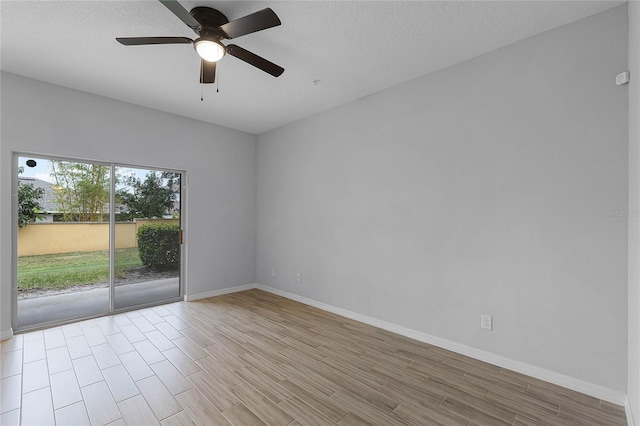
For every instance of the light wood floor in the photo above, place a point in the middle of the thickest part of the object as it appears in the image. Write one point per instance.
(254, 358)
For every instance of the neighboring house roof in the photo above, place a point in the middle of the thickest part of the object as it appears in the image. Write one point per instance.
(50, 205)
(48, 200)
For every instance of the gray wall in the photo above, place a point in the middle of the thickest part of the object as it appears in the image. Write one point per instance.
(479, 189)
(220, 163)
(633, 387)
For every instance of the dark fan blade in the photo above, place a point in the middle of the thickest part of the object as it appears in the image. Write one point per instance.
(261, 20)
(177, 9)
(207, 72)
(136, 41)
(255, 60)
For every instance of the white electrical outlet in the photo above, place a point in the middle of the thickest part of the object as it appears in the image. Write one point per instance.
(298, 277)
(273, 272)
(486, 321)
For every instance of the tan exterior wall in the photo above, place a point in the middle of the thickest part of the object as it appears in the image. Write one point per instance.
(61, 237)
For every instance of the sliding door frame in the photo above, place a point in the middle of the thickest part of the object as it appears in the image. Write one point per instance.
(112, 241)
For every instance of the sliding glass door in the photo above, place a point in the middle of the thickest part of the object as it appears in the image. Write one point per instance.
(147, 236)
(93, 238)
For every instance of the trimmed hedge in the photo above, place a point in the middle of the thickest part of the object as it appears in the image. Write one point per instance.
(159, 246)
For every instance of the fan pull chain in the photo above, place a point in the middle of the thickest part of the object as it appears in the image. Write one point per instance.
(201, 93)
(218, 84)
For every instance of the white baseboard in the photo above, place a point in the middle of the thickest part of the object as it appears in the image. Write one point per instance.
(6, 334)
(629, 413)
(578, 385)
(220, 292)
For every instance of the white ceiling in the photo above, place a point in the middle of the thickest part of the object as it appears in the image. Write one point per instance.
(352, 48)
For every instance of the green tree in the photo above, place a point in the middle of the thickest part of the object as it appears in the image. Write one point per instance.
(81, 190)
(28, 205)
(152, 198)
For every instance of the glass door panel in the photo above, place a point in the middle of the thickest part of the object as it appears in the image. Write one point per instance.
(63, 240)
(147, 236)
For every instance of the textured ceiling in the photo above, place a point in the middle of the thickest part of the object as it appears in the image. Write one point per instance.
(351, 48)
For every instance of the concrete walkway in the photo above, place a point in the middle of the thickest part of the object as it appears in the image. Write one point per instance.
(60, 307)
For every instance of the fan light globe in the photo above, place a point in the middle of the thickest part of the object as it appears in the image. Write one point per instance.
(209, 50)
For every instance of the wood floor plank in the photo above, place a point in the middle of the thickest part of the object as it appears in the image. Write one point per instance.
(240, 415)
(320, 402)
(412, 394)
(304, 413)
(159, 340)
(615, 410)
(105, 356)
(37, 408)
(416, 414)
(343, 366)
(551, 392)
(293, 355)
(120, 383)
(87, 370)
(136, 411)
(16, 343)
(258, 403)
(455, 406)
(54, 338)
(10, 393)
(78, 347)
(119, 343)
(453, 386)
(264, 352)
(94, 336)
(132, 333)
(213, 390)
(171, 377)
(34, 350)
(583, 414)
(142, 323)
(107, 325)
(304, 348)
(264, 384)
(101, 407)
(181, 361)
(35, 375)
(199, 409)
(354, 404)
(190, 348)
(353, 420)
(136, 366)
(372, 396)
(526, 402)
(222, 372)
(10, 363)
(224, 356)
(158, 397)
(390, 372)
(274, 371)
(541, 419)
(176, 322)
(168, 330)
(148, 352)
(64, 389)
(74, 414)
(151, 316)
(179, 419)
(197, 337)
(311, 379)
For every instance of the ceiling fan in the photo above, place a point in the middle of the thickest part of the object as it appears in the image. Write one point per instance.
(212, 26)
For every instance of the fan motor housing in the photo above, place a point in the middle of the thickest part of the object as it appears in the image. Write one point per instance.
(211, 20)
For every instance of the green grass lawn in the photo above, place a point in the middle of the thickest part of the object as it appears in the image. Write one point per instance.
(68, 269)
